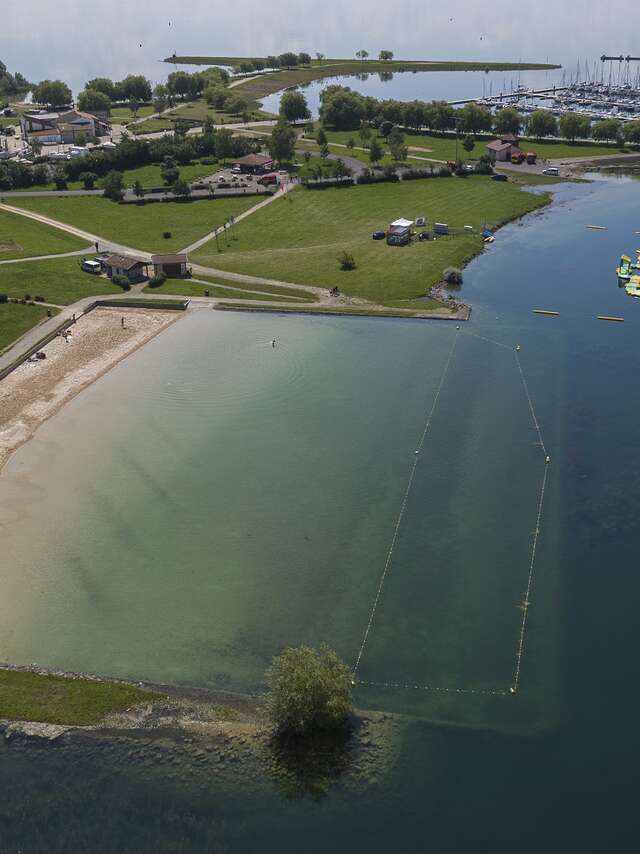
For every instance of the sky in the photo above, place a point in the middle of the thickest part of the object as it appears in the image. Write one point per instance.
(75, 40)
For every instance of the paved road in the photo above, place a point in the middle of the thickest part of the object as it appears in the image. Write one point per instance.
(88, 251)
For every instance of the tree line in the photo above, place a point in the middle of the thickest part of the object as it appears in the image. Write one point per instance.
(343, 109)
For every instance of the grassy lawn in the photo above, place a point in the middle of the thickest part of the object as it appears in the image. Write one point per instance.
(441, 147)
(232, 290)
(60, 281)
(23, 238)
(56, 700)
(298, 238)
(125, 114)
(362, 155)
(141, 226)
(149, 176)
(16, 319)
(196, 112)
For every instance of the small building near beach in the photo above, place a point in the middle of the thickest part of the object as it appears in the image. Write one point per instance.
(171, 266)
(499, 150)
(132, 269)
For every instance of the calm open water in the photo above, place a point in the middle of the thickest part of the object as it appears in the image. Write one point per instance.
(127, 535)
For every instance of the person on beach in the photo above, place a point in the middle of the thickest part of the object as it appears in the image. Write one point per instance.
(273, 343)
(97, 249)
(122, 321)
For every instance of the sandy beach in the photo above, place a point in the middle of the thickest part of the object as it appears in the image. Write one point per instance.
(36, 390)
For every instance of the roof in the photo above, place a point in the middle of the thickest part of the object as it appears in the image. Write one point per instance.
(254, 160)
(402, 223)
(169, 259)
(53, 131)
(508, 137)
(496, 145)
(125, 262)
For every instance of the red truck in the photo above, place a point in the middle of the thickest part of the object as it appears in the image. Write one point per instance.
(268, 179)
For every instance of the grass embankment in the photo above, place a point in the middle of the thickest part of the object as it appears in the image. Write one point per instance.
(195, 112)
(16, 319)
(59, 281)
(58, 700)
(140, 226)
(24, 238)
(149, 176)
(443, 147)
(299, 238)
(197, 286)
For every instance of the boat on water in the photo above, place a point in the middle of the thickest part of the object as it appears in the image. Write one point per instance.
(633, 286)
(627, 268)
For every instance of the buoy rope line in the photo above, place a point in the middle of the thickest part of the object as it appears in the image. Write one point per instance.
(403, 506)
(407, 685)
(527, 596)
(534, 547)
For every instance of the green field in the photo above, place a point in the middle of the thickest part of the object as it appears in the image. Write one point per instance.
(298, 238)
(141, 226)
(23, 238)
(15, 320)
(149, 176)
(439, 147)
(125, 114)
(361, 154)
(57, 700)
(196, 112)
(58, 280)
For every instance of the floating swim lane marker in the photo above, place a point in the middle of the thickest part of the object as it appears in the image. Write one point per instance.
(607, 317)
(546, 312)
(598, 227)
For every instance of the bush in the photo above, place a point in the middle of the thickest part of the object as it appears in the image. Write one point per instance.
(346, 261)
(416, 174)
(208, 161)
(4, 298)
(122, 282)
(166, 235)
(452, 276)
(308, 690)
(157, 281)
(323, 183)
(368, 177)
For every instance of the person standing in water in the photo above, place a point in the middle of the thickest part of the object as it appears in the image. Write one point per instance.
(273, 342)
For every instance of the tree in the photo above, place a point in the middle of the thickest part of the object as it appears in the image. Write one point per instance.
(224, 144)
(308, 691)
(216, 96)
(439, 116)
(237, 105)
(395, 141)
(574, 125)
(341, 108)
(113, 185)
(508, 120)
(138, 189)
(304, 59)
(469, 143)
(169, 171)
(181, 188)
(364, 132)
(632, 132)
(375, 152)
(94, 101)
(351, 144)
(288, 59)
(385, 128)
(319, 56)
(324, 151)
(474, 119)
(60, 179)
(385, 55)
(282, 142)
(52, 93)
(104, 85)
(321, 137)
(542, 123)
(607, 130)
(88, 179)
(362, 54)
(293, 107)
(136, 87)
(160, 97)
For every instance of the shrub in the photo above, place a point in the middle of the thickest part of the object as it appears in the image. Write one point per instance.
(166, 235)
(157, 281)
(346, 261)
(27, 297)
(122, 282)
(308, 690)
(208, 161)
(453, 276)
(416, 174)
(4, 298)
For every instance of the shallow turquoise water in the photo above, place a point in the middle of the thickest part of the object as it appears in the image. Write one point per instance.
(362, 384)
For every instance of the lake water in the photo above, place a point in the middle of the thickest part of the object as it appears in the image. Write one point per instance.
(213, 498)
(427, 86)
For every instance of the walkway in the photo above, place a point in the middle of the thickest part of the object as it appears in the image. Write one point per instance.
(88, 251)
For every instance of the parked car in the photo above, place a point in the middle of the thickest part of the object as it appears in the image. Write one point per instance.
(552, 170)
(378, 235)
(266, 180)
(532, 158)
(499, 176)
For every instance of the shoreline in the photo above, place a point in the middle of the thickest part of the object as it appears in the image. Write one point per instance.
(36, 408)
